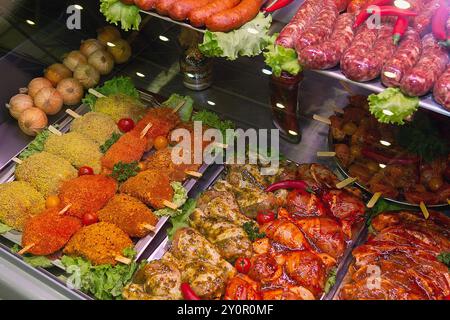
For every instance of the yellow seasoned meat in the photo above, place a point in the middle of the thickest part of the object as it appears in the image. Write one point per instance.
(18, 202)
(96, 126)
(76, 148)
(45, 172)
(119, 106)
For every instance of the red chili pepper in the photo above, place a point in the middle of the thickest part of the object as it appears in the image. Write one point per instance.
(400, 27)
(394, 11)
(363, 15)
(187, 292)
(439, 21)
(263, 217)
(242, 265)
(288, 184)
(381, 158)
(278, 5)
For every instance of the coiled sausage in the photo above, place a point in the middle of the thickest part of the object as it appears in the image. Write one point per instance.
(235, 17)
(198, 16)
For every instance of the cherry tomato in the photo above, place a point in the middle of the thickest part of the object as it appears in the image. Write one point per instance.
(265, 216)
(85, 171)
(160, 142)
(125, 124)
(90, 218)
(242, 265)
(52, 201)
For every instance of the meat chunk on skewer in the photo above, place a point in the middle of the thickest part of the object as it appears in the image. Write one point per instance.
(130, 147)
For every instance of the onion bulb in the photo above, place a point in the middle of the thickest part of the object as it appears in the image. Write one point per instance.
(102, 61)
(89, 46)
(71, 91)
(108, 34)
(19, 103)
(87, 75)
(48, 100)
(32, 121)
(56, 72)
(37, 84)
(121, 51)
(73, 59)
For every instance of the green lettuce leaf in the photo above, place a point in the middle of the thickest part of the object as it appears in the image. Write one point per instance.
(392, 106)
(185, 112)
(182, 220)
(280, 59)
(37, 145)
(444, 257)
(32, 260)
(212, 120)
(4, 228)
(331, 280)
(115, 11)
(249, 40)
(383, 206)
(115, 85)
(179, 198)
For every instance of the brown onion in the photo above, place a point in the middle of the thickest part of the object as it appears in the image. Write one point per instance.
(56, 72)
(19, 103)
(73, 59)
(102, 61)
(87, 75)
(108, 34)
(71, 91)
(89, 46)
(48, 100)
(32, 121)
(121, 51)
(37, 84)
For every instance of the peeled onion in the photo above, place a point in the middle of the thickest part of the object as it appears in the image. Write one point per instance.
(121, 51)
(89, 46)
(32, 121)
(48, 100)
(108, 34)
(102, 61)
(56, 72)
(71, 91)
(87, 75)
(73, 59)
(19, 103)
(37, 84)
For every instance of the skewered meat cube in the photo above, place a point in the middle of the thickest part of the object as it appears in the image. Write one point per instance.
(76, 148)
(87, 194)
(119, 106)
(162, 119)
(265, 269)
(99, 243)
(96, 126)
(199, 275)
(129, 148)
(129, 214)
(45, 172)
(48, 232)
(18, 202)
(151, 187)
(285, 233)
(303, 204)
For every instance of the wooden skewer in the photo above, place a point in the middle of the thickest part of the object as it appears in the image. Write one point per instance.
(96, 93)
(145, 130)
(73, 114)
(195, 174)
(322, 119)
(149, 227)
(170, 205)
(374, 199)
(345, 182)
(326, 153)
(220, 145)
(179, 106)
(17, 160)
(338, 110)
(424, 209)
(55, 131)
(123, 259)
(26, 249)
(346, 87)
(65, 209)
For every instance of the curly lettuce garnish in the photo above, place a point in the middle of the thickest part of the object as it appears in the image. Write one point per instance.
(280, 59)
(116, 85)
(179, 198)
(392, 106)
(115, 11)
(249, 40)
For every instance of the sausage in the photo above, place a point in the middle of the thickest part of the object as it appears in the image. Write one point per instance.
(163, 6)
(305, 15)
(198, 16)
(368, 52)
(432, 63)
(422, 22)
(321, 28)
(406, 56)
(341, 4)
(235, 17)
(181, 8)
(441, 91)
(328, 53)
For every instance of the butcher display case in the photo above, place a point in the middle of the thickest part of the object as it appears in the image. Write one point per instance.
(35, 34)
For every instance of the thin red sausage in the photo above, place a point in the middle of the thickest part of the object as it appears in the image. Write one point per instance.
(181, 9)
(198, 16)
(441, 89)
(163, 6)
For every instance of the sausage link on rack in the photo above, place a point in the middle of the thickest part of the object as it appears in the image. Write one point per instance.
(181, 8)
(441, 89)
(235, 17)
(198, 16)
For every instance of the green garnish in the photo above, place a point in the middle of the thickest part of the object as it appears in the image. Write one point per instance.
(280, 59)
(212, 120)
(37, 145)
(185, 112)
(123, 171)
(4, 228)
(108, 143)
(383, 206)
(331, 280)
(32, 260)
(179, 198)
(115, 11)
(116, 85)
(182, 220)
(444, 257)
(252, 231)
